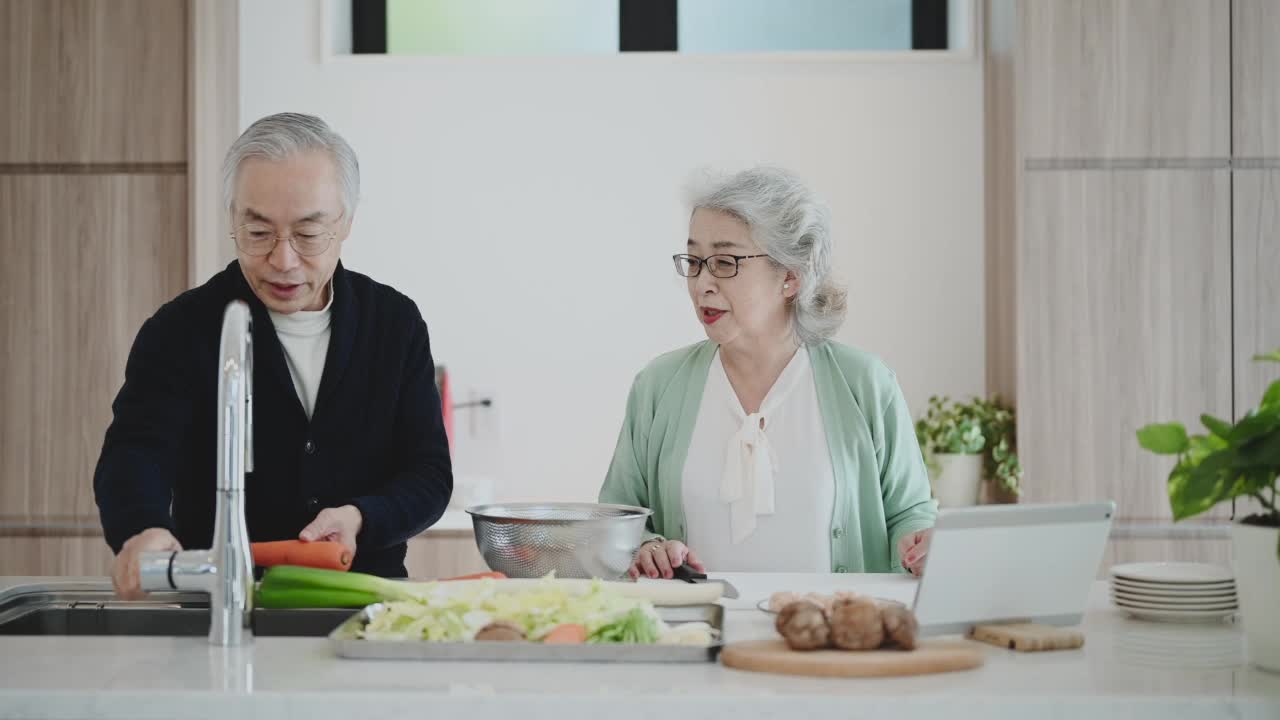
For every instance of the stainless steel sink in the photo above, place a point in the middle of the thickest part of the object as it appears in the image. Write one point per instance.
(77, 610)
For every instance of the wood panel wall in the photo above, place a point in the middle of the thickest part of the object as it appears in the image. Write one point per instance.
(1127, 320)
(93, 229)
(1138, 79)
(1144, 155)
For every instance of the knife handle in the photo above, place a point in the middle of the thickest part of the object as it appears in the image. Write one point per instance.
(687, 574)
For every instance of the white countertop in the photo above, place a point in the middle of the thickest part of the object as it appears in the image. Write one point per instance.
(1127, 669)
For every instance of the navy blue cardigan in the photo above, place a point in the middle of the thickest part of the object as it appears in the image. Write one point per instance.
(376, 438)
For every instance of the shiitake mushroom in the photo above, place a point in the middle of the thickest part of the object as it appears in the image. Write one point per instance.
(900, 626)
(803, 625)
(853, 622)
(501, 631)
(856, 624)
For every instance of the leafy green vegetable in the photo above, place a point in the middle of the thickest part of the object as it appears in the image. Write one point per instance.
(636, 626)
(271, 597)
(448, 616)
(290, 586)
(456, 611)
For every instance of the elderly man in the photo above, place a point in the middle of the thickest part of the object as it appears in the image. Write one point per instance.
(348, 445)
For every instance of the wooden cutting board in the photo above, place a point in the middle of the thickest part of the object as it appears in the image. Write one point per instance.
(930, 656)
(1028, 637)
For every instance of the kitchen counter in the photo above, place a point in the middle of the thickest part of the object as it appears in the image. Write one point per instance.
(1127, 669)
(453, 521)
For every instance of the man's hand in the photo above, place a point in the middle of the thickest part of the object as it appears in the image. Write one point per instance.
(125, 577)
(340, 524)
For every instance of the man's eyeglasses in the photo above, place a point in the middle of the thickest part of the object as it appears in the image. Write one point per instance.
(308, 239)
(721, 266)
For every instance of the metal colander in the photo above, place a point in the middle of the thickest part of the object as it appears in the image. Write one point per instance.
(574, 540)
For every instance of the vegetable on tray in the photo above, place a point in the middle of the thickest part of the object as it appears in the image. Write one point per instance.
(490, 609)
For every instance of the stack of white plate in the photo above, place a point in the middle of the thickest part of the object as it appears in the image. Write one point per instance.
(1174, 591)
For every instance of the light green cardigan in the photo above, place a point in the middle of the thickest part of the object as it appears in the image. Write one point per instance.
(882, 489)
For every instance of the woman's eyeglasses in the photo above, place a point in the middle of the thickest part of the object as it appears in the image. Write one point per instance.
(721, 266)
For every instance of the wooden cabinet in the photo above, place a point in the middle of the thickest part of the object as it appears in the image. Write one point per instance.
(1124, 79)
(1256, 201)
(94, 236)
(1255, 79)
(85, 81)
(1146, 160)
(443, 554)
(1255, 106)
(86, 556)
(1125, 319)
(87, 259)
(434, 554)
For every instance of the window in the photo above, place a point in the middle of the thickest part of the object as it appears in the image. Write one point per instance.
(712, 26)
(598, 27)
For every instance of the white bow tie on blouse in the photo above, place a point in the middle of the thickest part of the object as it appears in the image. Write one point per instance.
(750, 463)
(747, 484)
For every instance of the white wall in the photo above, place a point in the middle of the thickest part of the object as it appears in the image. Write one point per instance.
(530, 208)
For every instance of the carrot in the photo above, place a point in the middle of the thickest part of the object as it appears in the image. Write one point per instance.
(321, 554)
(478, 576)
(568, 634)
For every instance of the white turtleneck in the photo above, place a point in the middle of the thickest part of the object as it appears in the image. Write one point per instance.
(304, 336)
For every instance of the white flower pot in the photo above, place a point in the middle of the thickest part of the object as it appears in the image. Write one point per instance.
(1257, 571)
(958, 479)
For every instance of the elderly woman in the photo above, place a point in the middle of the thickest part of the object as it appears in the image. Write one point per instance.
(768, 447)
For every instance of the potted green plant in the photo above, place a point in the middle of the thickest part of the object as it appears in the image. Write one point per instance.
(1236, 460)
(965, 442)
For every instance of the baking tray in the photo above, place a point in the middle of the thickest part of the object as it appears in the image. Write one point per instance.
(348, 645)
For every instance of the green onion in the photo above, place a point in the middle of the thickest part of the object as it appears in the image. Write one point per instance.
(290, 586)
(310, 598)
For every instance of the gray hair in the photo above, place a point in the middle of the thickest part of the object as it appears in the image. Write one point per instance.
(793, 226)
(279, 136)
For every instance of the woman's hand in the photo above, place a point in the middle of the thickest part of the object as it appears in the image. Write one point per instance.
(912, 549)
(656, 558)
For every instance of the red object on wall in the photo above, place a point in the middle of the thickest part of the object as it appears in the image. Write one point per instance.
(446, 404)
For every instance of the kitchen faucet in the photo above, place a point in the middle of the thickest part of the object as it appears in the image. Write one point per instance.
(225, 571)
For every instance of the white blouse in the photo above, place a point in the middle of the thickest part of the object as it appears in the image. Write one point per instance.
(759, 489)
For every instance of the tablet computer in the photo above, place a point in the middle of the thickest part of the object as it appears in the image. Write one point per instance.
(1011, 563)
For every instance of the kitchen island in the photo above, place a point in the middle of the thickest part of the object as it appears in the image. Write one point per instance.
(1127, 669)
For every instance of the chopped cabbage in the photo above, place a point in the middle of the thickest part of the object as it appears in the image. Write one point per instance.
(443, 614)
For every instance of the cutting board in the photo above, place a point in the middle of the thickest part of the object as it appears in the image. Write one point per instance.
(1028, 637)
(930, 656)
